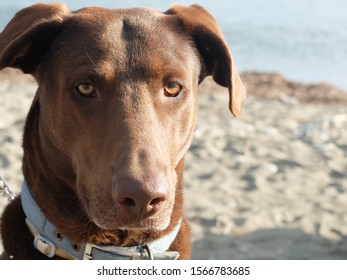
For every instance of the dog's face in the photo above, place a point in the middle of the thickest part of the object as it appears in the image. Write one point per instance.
(122, 92)
(118, 101)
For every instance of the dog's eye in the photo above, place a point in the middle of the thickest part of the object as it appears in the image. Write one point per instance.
(172, 89)
(85, 89)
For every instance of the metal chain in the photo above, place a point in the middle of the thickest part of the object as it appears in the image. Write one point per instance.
(5, 189)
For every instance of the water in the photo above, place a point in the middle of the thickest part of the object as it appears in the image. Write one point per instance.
(305, 40)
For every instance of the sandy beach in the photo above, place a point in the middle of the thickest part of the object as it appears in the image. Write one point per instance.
(271, 184)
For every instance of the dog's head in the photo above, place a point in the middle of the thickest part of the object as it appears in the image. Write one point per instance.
(118, 100)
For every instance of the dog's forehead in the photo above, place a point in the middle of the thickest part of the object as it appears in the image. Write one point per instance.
(127, 23)
(123, 39)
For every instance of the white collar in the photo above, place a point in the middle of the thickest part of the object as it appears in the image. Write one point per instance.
(50, 242)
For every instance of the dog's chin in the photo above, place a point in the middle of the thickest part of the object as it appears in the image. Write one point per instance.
(143, 225)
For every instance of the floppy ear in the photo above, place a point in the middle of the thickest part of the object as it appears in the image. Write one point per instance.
(27, 37)
(214, 51)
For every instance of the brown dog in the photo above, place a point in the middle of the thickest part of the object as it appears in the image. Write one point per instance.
(112, 118)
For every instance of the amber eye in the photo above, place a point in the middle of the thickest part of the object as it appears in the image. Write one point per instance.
(85, 89)
(172, 89)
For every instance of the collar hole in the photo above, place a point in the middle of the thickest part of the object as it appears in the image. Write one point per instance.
(58, 235)
(76, 247)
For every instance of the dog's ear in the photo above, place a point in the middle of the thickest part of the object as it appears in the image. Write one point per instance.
(27, 37)
(217, 58)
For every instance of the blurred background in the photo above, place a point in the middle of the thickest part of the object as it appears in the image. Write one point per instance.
(271, 184)
(305, 40)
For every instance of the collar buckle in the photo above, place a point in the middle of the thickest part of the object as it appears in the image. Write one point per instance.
(45, 246)
(87, 254)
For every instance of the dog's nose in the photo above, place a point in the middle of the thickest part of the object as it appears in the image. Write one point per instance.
(140, 198)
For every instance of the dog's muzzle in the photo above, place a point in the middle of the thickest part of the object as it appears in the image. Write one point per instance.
(50, 242)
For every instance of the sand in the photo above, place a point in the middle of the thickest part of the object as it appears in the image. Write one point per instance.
(271, 184)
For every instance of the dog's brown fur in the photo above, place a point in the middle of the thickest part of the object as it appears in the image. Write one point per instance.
(107, 168)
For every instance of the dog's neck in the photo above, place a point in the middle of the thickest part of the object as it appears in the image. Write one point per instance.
(49, 241)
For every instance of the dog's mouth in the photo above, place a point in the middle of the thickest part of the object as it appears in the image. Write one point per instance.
(131, 223)
(135, 224)
(107, 217)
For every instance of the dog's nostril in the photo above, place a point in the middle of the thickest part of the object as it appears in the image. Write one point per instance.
(140, 198)
(127, 201)
(156, 201)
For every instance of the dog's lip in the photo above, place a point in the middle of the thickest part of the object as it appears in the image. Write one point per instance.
(135, 224)
(114, 222)
(109, 218)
